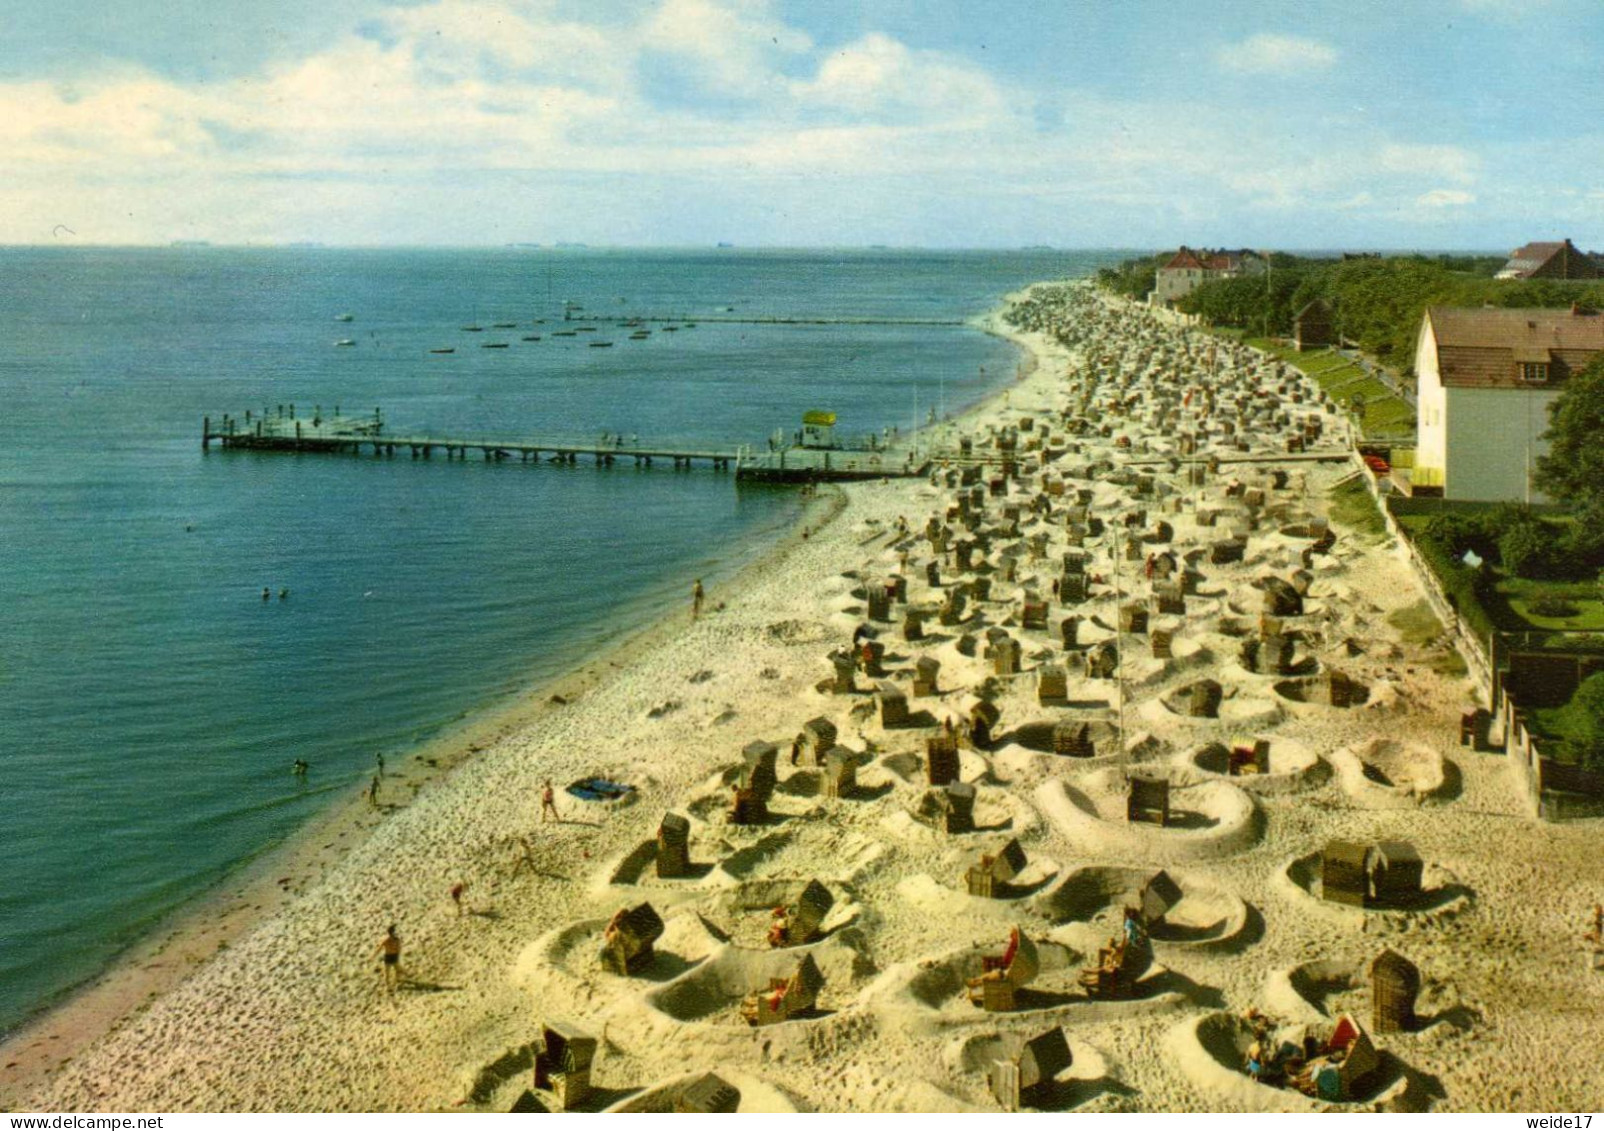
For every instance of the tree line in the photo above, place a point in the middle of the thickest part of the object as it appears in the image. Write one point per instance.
(1376, 302)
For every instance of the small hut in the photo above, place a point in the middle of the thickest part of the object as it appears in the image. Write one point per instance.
(1002, 975)
(843, 668)
(991, 875)
(1394, 985)
(800, 924)
(1344, 691)
(1072, 588)
(840, 772)
(785, 998)
(1005, 656)
(893, 704)
(1052, 685)
(673, 847)
(757, 768)
(1074, 740)
(953, 607)
(627, 941)
(1203, 699)
(708, 1094)
(1345, 873)
(1395, 873)
(941, 759)
(958, 805)
(983, 718)
(1148, 800)
(1028, 1079)
(755, 785)
(879, 602)
(818, 735)
(1253, 759)
(1311, 326)
(913, 624)
(1158, 895)
(1168, 599)
(925, 671)
(1162, 642)
(1069, 633)
(1102, 662)
(563, 1056)
(1033, 615)
(1343, 1065)
(1281, 598)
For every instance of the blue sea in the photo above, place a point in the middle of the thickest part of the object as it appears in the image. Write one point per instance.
(151, 703)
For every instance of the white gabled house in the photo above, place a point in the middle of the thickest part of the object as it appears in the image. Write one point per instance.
(1486, 379)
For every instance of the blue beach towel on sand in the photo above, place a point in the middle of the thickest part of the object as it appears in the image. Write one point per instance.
(599, 789)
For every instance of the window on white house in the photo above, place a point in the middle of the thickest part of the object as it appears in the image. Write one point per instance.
(1535, 372)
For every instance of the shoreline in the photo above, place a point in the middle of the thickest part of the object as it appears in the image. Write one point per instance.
(297, 1015)
(261, 886)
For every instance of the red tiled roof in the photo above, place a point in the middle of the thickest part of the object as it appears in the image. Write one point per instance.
(1483, 348)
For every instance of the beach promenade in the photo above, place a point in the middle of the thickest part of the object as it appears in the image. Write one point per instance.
(1116, 414)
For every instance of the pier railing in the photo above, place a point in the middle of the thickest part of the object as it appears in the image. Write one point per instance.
(358, 435)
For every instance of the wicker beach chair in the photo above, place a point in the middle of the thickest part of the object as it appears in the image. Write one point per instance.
(1003, 975)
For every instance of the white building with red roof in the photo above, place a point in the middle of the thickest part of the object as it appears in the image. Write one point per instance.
(1486, 380)
(1188, 268)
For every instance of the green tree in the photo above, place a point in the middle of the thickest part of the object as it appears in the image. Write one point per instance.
(1583, 724)
(1573, 470)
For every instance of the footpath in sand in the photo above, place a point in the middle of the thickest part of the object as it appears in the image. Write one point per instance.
(1110, 609)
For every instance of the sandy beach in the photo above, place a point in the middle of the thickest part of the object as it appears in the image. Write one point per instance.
(271, 997)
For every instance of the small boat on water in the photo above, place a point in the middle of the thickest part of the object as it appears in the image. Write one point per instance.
(505, 326)
(641, 335)
(492, 345)
(562, 333)
(447, 349)
(531, 337)
(669, 329)
(345, 317)
(474, 329)
(346, 342)
(599, 345)
(690, 325)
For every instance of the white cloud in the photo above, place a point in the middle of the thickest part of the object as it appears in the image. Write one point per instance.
(1435, 162)
(879, 78)
(1444, 198)
(1269, 54)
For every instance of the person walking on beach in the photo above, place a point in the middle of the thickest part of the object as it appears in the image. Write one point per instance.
(373, 792)
(696, 599)
(548, 802)
(378, 760)
(456, 894)
(390, 958)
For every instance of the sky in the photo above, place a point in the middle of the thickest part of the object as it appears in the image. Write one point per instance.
(1474, 124)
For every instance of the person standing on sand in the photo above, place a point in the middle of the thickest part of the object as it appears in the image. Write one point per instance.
(378, 759)
(696, 599)
(390, 958)
(373, 792)
(456, 894)
(548, 802)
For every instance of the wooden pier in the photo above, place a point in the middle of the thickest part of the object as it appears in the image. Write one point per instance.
(346, 435)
